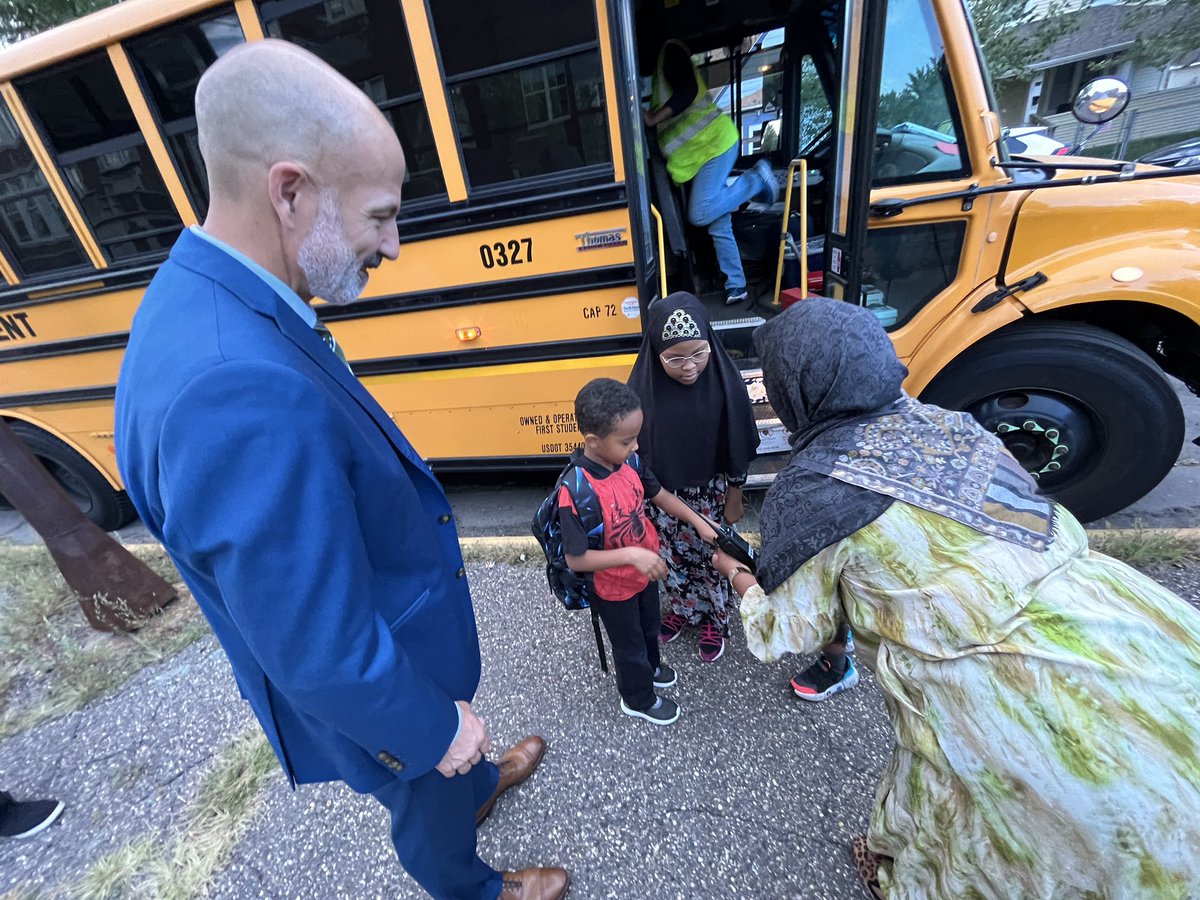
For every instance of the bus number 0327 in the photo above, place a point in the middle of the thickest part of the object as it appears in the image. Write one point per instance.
(513, 253)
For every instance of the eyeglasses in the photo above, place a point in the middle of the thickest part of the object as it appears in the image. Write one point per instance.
(678, 362)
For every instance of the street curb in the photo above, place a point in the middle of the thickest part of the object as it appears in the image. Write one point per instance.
(1190, 535)
(494, 547)
(488, 546)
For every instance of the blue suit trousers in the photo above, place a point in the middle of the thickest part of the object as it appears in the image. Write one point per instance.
(433, 830)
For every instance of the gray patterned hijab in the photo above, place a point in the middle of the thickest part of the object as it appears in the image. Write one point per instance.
(859, 443)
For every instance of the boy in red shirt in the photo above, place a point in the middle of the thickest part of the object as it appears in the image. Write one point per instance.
(626, 570)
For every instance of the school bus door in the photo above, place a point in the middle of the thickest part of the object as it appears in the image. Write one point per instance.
(914, 119)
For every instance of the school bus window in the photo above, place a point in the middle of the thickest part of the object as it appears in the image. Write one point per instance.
(366, 41)
(37, 237)
(748, 85)
(90, 129)
(483, 34)
(816, 114)
(525, 86)
(760, 106)
(905, 267)
(170, 62)
(919, 138)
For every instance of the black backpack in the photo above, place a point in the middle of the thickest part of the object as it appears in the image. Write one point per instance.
(573, 590)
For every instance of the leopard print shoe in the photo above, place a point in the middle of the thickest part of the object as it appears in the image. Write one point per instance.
(867, 864)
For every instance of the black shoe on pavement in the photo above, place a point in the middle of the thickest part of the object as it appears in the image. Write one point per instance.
(23, 819)
(664, 676)
(820, 682)
(663, 712)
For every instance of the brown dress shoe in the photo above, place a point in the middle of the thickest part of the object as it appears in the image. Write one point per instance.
(515, 766)
(535, 884)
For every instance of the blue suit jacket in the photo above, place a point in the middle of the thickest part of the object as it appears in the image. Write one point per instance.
(318, 545)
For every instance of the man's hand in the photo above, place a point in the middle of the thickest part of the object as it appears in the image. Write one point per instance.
(469, 746)
(647, 562)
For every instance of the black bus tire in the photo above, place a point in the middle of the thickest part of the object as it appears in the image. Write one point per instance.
(1080, 388)
(103, 504)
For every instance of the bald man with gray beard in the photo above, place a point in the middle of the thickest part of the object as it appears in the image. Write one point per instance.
(317, 543)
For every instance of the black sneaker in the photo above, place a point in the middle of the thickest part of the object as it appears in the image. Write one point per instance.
(27, 818)
(663, 712)
(664, 676)
(734, 296)
(819, 682)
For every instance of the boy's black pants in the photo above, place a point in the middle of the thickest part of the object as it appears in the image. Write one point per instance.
(632, 627)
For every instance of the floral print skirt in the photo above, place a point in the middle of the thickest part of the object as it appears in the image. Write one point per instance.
(694, 589)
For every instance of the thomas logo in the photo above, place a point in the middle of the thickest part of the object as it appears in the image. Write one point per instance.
(601, 240)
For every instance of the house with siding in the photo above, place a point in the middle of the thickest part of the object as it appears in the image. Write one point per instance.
(1166, 98)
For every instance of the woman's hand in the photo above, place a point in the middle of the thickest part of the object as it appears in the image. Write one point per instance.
(725, 564)
(734, 507)
(732, 569)
(707, 533)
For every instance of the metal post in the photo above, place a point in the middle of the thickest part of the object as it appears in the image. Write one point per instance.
(117, 591)
(1129, 120)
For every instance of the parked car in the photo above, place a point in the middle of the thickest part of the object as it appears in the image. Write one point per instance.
(1185, 153)
(1033, 142)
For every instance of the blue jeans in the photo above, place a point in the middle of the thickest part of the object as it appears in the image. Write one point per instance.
(711, 204)
(433, 830)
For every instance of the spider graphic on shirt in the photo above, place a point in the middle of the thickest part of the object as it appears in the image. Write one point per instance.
(627, 526)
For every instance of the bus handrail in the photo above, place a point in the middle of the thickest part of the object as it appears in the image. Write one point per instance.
(785, 235)
(662, 251)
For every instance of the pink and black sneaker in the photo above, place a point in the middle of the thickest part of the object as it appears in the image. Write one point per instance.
(712, 642)
(670, 627)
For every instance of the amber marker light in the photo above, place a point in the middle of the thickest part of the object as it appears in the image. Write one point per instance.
(468, 334)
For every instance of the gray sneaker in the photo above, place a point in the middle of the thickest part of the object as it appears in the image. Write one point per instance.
(663, 712)
(770, 182)
(664, 676)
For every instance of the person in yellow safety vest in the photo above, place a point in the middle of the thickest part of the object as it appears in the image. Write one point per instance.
(701, 144)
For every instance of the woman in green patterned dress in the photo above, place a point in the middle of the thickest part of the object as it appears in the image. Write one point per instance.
(1045, 698)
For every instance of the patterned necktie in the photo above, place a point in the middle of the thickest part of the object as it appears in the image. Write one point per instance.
(331, 342)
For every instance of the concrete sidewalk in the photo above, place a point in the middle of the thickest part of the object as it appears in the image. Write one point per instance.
(750, 794)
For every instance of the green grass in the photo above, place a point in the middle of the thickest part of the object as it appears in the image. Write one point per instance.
(182, 866)
(51, 661)
(1140, 546)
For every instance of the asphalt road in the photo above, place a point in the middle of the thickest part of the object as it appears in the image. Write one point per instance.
(752, 793)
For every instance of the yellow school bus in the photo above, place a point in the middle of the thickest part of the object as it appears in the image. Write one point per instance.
(538, 222)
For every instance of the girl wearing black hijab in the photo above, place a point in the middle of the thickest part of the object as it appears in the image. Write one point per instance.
(699, 438)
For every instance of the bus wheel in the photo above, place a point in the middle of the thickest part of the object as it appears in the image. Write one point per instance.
(100, 502)
(1085, 411)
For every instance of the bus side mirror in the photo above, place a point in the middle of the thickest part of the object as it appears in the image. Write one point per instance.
(1101, 100)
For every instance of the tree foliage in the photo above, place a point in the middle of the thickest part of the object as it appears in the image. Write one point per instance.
(1012, 36)
(21, 18)
(1166, 31)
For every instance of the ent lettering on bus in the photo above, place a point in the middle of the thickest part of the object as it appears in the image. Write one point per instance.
(16, 327)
